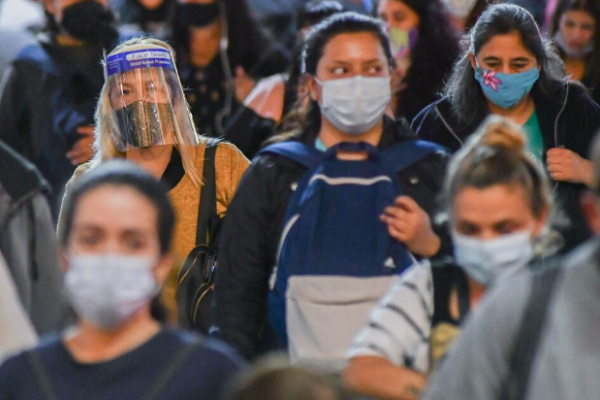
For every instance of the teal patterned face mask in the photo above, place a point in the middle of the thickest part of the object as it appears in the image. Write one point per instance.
(506, 90)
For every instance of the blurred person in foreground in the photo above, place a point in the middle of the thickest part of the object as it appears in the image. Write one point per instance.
(498, 202)
(273, 378)
(116, 250)
(28, 240)
(535, 336)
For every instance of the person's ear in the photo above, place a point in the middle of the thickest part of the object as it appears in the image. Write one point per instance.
(314, 89)
(165, 264)
(590, 208)
(541, 222)
(472, 60)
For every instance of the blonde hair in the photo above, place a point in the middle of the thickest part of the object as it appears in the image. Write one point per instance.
(104, 146)
(496, 155)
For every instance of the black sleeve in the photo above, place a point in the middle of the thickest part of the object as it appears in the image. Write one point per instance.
(247, 130)
(12, 109)
(424, 183)
(245, 261)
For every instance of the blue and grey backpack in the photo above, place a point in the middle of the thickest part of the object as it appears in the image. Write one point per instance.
(336, 258)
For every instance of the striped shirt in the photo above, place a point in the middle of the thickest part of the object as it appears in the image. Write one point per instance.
(400, 325)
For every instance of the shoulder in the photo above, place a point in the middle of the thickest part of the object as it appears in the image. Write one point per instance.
(208, 352)
(18, 176)
(17, 365)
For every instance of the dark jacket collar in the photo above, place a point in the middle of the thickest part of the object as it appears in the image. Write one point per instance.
(548, 108)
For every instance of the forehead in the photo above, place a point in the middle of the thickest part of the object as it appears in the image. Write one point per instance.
(115, 208)
(505, 46)
(578, 16)
(348, 46)
(491, 205)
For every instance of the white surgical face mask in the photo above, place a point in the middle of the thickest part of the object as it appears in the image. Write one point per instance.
(459, 8)
(106, 289)
(488, 260)
(560, 41)
(355, 105)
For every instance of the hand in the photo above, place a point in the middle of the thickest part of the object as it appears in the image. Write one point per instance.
(243, 84)
(410, 224)
(82, 151)
(565, 165)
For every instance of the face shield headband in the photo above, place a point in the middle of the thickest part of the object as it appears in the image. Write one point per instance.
(147, 101)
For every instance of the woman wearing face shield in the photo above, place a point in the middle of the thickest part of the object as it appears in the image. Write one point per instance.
(347, 62)
(498, 204)
(142, 116)
(508, 70)
(115, 247)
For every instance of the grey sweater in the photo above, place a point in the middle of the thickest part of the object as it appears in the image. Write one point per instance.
(567, 362)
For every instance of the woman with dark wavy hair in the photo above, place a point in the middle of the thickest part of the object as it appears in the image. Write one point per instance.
(577, 39)
(424, 47)
(507, 69)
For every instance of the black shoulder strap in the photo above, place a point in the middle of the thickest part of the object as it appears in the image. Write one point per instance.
(40, 374)
(208, 193)
(527, 340)
(170, 371)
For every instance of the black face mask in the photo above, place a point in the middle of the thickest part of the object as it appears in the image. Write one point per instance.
(89, 21)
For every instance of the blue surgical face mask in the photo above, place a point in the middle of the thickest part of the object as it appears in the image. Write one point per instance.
(506, 90)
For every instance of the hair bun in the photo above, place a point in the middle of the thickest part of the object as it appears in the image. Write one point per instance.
(499, 132)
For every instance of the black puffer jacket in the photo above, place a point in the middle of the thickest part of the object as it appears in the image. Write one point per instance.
(567, 119)
(253, 226)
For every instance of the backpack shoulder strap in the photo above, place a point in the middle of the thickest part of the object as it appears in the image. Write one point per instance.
(169, 372)
(296, 151)
(39, 371)
(528, 336)
(208, 194)
(404, 154)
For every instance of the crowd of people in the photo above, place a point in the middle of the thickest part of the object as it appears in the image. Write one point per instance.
(303, 200)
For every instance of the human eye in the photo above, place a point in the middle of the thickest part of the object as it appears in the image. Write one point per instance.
(134, 241)
(88, 238)
(588, 27)
(467, 229)
(569, 24)
(374, 69)
(339, 70)
(506, 227)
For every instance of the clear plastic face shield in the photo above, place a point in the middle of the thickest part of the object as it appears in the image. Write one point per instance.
(148, 105)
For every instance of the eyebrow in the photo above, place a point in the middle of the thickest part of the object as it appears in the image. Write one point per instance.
(493, 58)
(372, 61)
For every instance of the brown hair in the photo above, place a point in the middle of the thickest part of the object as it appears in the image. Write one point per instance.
(496, 155)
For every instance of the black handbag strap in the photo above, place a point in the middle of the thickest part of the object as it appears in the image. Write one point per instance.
(208, 194)
(528, 336)
(39, 371)
(169, 372)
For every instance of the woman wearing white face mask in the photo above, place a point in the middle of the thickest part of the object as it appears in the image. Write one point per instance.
(347, 62)
(576, 32)
(498, 203)
(118, 225)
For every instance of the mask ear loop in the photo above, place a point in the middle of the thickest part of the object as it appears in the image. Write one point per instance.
(229, 83)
